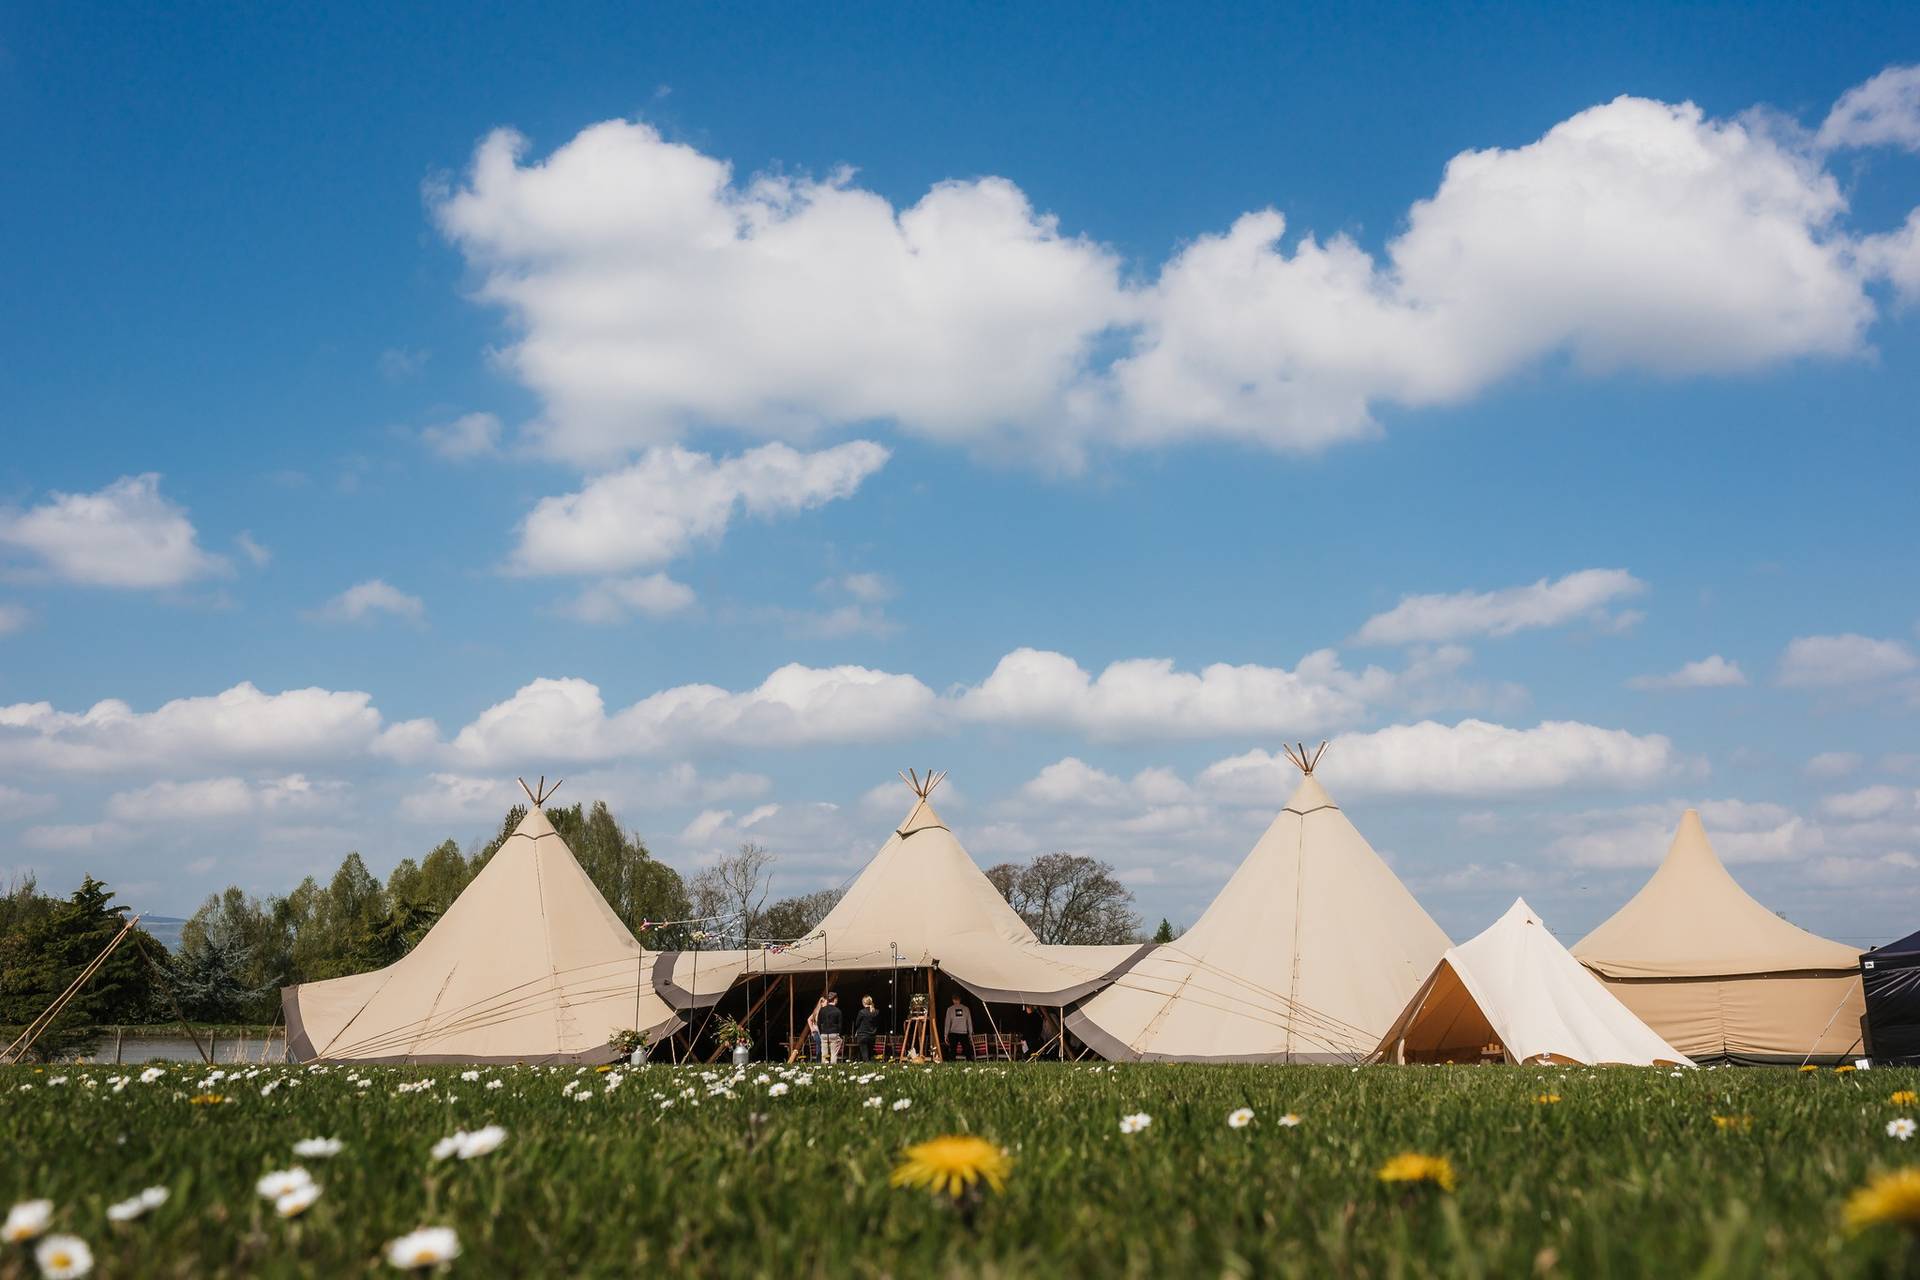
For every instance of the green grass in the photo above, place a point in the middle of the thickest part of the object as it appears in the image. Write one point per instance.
(1626, 1176)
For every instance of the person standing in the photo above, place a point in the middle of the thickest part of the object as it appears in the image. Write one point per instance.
(866, 1025)
(959, 1030)
(830, 1022)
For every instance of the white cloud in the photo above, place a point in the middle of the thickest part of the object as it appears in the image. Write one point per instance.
(472, 435)
(125, 535)
(15, 803)
(653, 511)
(212, 799)
(1147, 697)
(1883, 112)
(363, 601)
(1871, 802)
(257, 556)
(868, 588)
(242, 724)
(1832, 764)
(1712, 672)
(399, 363)
(1741, 831)
(1895, 256)
(1425, 618)
(613, 600)
(1825, 661)
(1472, 757)
(74, 837)
(14, 617)
(566, 719)
(1072, 783)
(652, 293)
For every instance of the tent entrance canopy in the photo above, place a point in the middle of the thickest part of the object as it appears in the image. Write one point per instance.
(1891, 977)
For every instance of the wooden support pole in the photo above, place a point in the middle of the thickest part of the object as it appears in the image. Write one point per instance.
(18, 1049)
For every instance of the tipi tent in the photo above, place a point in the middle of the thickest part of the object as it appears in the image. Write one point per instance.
(1891, 976)
(921, 902)
(1720, 976)
(1516, 988)
(1307, 955)
(529, 964)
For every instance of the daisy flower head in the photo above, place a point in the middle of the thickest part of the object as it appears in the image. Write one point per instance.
(63, 1257)
(875, 1102)
(151, 1074)
(1240, 1118)
(137, 1206)
(901, 1104)
(953, 1165)
(318, 1148)
(1135, 1123)
(1902, 1128)
(297, 1201)
(26, 1220)
(777, 1090)
(427, 1247)
(1289, 1120)
(1413, 1169)
(1892, 1198)
(281, 1181)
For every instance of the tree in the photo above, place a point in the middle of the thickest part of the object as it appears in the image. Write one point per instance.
(209, 979)
(792, 918)
(637, 886)
(236, 952)
(735, 888)
(1069, 898)
(39, 961)
(1164, 934)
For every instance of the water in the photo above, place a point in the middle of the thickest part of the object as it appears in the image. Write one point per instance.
(177, 1048)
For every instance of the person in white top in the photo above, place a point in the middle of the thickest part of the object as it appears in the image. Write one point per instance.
(959, 1029)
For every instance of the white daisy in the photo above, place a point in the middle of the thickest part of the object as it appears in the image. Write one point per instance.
(901, 1104)
(63, 1257)
(482, 1141)
(26, 1220)
(469, 1075)
(1240, 1119)
(296, 1201)
(875, 1102)
(278, 1183)
(778, 1090)
(427, 1247)
(496, 1084)
(1902, 1128)
(1289, 1120)
(318, 1148)
(1135, 1122)
(137, 1206)
(151, 1074)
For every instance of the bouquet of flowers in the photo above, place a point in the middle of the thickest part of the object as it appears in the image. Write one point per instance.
(626, 1040)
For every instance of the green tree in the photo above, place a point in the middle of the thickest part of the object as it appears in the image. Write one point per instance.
(40, 959)
(636, 885)
(1164, 934)
(792, 918)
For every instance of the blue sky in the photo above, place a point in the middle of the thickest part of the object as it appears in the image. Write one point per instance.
(1084, 404)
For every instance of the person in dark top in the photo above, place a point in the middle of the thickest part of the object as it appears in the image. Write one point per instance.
(830, 1024)
(866, 1025)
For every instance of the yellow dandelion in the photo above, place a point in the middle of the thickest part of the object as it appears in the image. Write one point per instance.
(1546, 1099)
(1806, 1067)
(953, 1164)
(1411, 1167)
(1843, 1068)
(1891, 1198)
(1903, 1097)
(1733, 1124)
(603, 1068)
(207, 1099)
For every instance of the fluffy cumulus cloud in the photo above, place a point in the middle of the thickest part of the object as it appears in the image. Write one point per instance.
(1872, 802)
(126, 535)
(611, 600)
(567, 719)
(243, 724)
(1149, 697)
(1885, 111)
(209, 799)
(653, 291)
(1426, 618)
(654, 510)
(1711, 672)
(1829, 661)
(368, 601)
(1472, 757)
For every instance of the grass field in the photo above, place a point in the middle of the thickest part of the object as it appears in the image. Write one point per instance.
(704, 1172)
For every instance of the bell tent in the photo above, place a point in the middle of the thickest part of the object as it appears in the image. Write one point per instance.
(1718, 975)
(1307, 955)
(920, 903)
(1516, 992)
(529, 964)
(1891, 977)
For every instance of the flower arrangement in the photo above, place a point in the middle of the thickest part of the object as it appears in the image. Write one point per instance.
(731, 1032)
(626, 1040)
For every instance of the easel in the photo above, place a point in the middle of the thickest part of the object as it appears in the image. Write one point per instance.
(914, 1038)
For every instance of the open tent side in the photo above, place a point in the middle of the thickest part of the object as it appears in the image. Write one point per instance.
(1890, 979)
(1719, 976)
(529, 964)
(1515, 992)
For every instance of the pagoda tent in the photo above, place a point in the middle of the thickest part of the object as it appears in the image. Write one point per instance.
(1891, 978)
(1718, 975)
(1515, 991)
(920, 903)
(1307, 955)
(529, 964)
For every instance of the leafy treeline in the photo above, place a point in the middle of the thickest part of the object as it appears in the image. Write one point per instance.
(46, 942)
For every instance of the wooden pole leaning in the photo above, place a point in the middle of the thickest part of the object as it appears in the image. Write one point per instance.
(18, 1049)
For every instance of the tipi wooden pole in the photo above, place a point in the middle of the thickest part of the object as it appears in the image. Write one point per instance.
(19, 1047)
(937, 1048)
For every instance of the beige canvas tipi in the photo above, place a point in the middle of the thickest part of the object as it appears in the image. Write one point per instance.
(1718, 975)
(529, 964)
(1307, 955)
(1516, 992)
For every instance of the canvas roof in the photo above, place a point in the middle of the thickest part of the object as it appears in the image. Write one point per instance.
(529, 964)
(923, 894)
(1515, 984)
(1308, 954)
(1692, 919)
